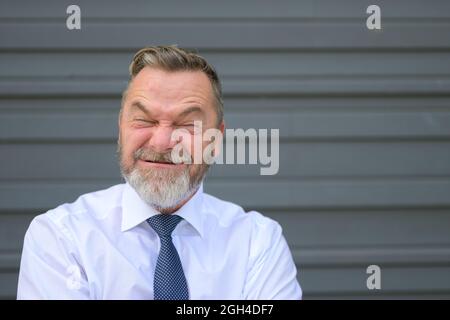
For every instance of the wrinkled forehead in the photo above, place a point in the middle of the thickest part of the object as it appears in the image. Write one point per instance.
(176, 85)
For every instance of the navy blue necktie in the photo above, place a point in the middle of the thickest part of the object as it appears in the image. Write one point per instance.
(169, 282)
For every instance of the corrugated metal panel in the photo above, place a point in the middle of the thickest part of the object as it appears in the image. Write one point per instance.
(364, 119)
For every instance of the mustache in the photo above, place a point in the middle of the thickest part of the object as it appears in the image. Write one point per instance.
(150, 155)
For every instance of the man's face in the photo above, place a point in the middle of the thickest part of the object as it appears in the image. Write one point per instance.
(158, 102)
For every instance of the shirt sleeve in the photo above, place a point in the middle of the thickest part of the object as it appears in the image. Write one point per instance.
(272, 274)
(49, 268)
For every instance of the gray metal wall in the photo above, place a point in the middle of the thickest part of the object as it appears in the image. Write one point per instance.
(364, 118)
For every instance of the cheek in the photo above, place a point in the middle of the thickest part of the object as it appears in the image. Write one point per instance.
(134, 139)
(185, 140)
(196, 145)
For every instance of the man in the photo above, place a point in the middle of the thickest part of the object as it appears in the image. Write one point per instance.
(158, 236)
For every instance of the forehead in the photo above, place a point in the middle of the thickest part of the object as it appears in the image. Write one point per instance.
(169, 86)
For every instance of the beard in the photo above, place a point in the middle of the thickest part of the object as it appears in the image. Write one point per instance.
(161, 188)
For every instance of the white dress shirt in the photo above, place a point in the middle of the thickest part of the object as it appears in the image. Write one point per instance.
(101, 247)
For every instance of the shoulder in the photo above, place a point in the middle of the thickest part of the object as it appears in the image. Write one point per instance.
(260, 236)
(229, 214)
(85, 209)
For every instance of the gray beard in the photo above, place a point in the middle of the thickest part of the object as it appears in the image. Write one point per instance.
(161, 188)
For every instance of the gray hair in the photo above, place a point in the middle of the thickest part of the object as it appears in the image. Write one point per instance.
(172, 58)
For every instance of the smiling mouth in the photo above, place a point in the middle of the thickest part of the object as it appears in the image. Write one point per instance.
(160, 162)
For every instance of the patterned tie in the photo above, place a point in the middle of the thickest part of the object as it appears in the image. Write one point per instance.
(170, 282)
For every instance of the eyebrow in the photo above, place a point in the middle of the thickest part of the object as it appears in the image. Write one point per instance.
(184, 113)
(189, 110)
(141, 107)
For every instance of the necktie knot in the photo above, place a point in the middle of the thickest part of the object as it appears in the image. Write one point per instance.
(164, 224)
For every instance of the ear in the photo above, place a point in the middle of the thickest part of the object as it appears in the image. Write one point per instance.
(222, 126)
(218, 142)
(119, 124)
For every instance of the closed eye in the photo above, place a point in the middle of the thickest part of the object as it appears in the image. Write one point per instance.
(146, 121)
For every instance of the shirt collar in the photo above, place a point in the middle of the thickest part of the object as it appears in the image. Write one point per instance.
(136, 211)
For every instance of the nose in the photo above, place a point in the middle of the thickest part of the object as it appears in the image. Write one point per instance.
(160, 140)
